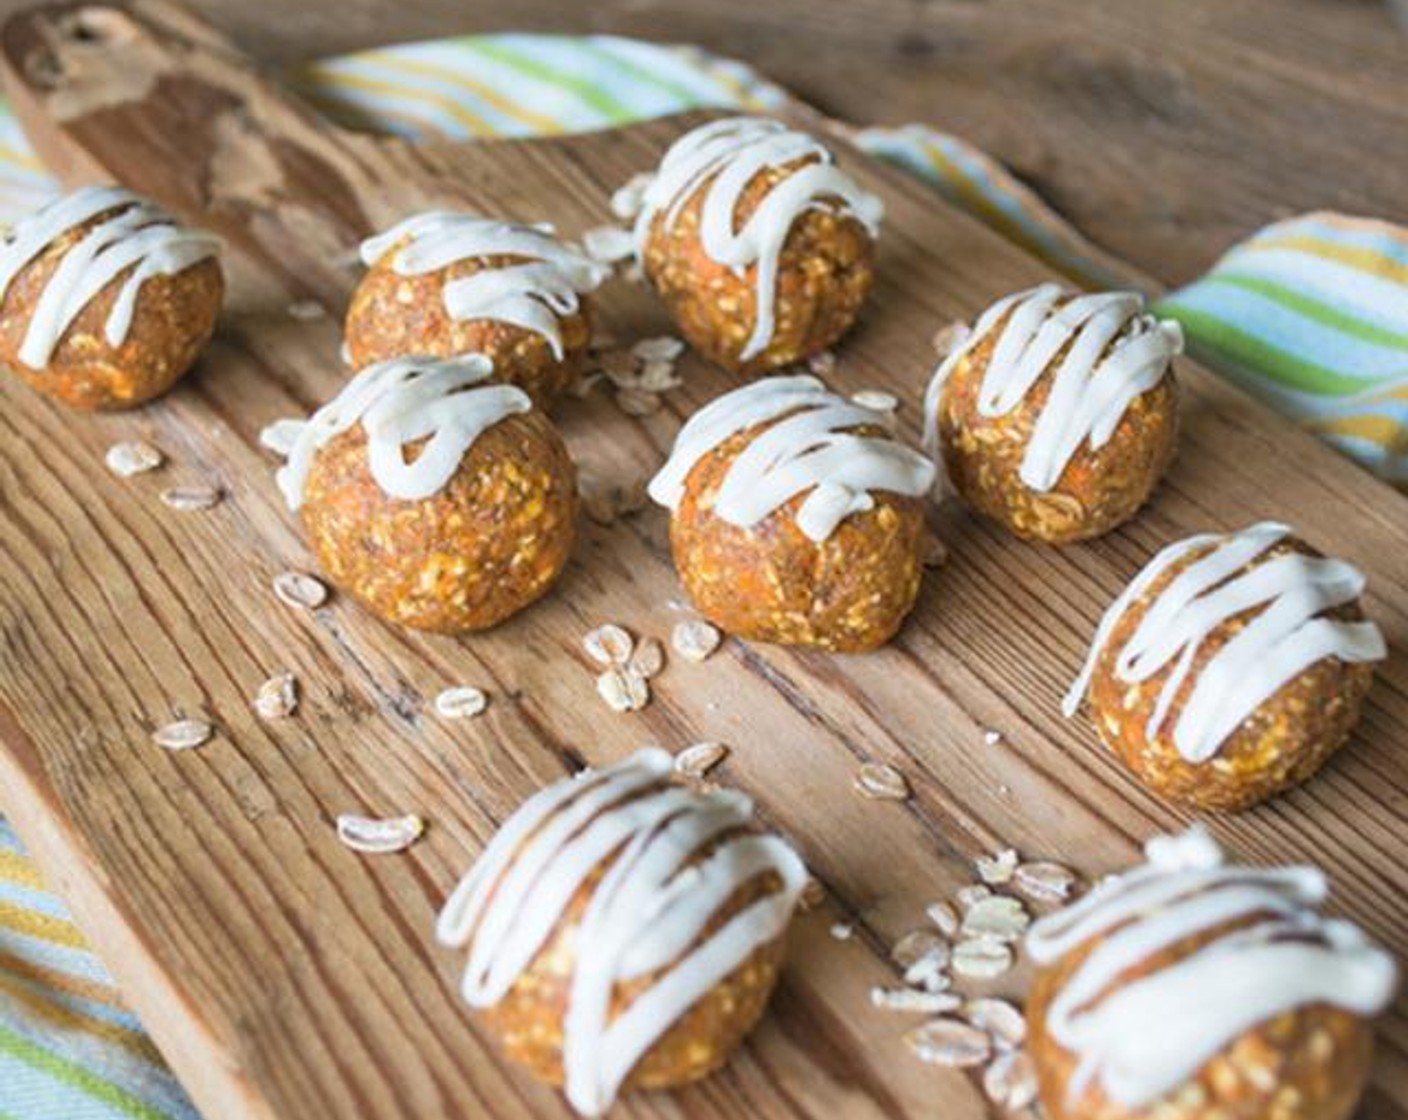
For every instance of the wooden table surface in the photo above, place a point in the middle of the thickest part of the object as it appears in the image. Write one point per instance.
(1165, 129)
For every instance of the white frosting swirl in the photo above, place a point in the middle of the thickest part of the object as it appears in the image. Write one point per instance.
(1091, 390)
(138, 235)
(401, 402)
(1289, 634)
(1145, 1038)
(814, 448)
(649, 912)
(733, 152)
(533, 294)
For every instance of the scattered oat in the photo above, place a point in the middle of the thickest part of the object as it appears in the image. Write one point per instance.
(609, 644)
(935, 551)
(132, 458)
(949, 1042)
(694, 639)
(1010, 1081)
(637, 402)
(944, 917)
(377, 836)
(648, 659)
(876, 399)
(928, 972)
(822, 364)
(909, 1000)
(189, 499)
(915, 945)
(997, 869)
(619, 366)
(842, 931)
(663, 348)
(307, 311)
(882, 782)
(970, 896)
(697, 760)
(949, 338)
(608, 244)
(461, 702)
(299, 589)
(658, 376)
(992, 737)
(583, 384)
(981, 958)
(627, 200)
(607, 502)
(1000, 1018)
(1000, 918)
(280, 436)
(183, 734)
(813, 894)
(1044, 881)
(277, 697)
(623, 691)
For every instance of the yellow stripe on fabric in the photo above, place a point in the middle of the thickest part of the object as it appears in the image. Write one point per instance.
(487, 93)
(91, 990)
(31, 923)
(472, 121)
(1366, 260)
(27, 160)
(14, 868)
(72, 1020)
(1383, 430)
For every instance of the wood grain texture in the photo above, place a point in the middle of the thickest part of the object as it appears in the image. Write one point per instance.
(285, 976)
(1163, 129)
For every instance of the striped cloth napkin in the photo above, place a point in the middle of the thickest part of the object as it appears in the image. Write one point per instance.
(1310, 314)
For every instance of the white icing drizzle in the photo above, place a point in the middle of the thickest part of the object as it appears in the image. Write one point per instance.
(1090, 390)
(648, 910)
(533, 294)
(400, 402)
(138, 233)
(1285, 638)
(732, 152)
(1145, 1038)
(812, 449)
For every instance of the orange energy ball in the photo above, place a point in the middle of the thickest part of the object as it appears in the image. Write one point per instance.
(1193, 685)
(104, 301)
(820, 548)
(573, 940)
(1059, 413)
(442, 284)
(451, 522)
(1190, 990)
(762, 249)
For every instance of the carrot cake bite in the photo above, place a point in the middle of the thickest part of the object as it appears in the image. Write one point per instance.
(1058, 414)
(1193, 989)
(624, 931)
(104, 300)
(442, 284)
(1232, 667)
(796, 517)
(438, 498)
(761, 247)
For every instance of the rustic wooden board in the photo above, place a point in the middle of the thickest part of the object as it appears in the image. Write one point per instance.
(287, 977)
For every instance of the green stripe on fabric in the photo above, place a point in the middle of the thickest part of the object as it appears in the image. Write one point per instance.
(592, 94)
(76, 1076)
(630, 66)
(1267, 360)
(1311, 308)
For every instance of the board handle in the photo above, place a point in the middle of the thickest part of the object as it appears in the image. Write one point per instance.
(149, 95)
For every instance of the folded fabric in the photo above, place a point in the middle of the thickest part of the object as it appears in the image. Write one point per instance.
(1310, 314)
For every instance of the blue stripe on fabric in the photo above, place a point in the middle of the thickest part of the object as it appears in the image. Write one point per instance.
(1373, 298)
(1304, 338)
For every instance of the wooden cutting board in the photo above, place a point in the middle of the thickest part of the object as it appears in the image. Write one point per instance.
(287, 977)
